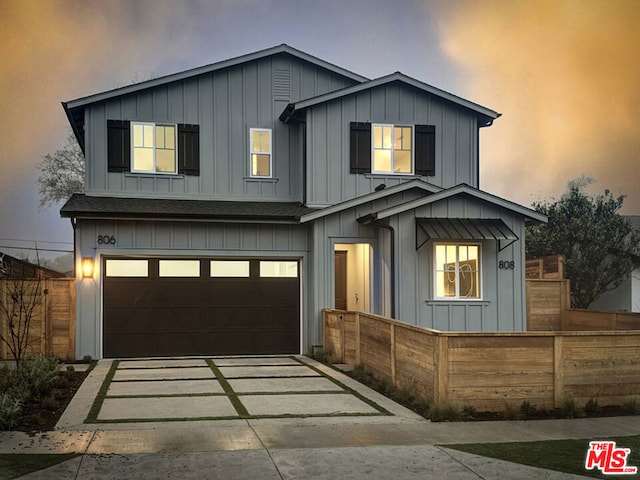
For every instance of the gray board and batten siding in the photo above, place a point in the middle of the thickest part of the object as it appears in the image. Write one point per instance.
(328, 173)
(224, 103)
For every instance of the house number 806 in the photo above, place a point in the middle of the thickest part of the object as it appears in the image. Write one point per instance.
(506, 264)
(106, 240)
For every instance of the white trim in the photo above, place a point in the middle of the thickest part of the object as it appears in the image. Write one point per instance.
(457, 298)
(154, 148)
(259, 152)
(392, 150)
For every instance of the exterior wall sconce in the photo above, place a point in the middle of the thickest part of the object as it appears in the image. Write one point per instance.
(87, 267)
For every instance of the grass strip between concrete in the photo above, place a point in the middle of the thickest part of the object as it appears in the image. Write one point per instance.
(233, 397)
(92, 416)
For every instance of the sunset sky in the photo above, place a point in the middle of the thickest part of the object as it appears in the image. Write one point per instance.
(564, 74)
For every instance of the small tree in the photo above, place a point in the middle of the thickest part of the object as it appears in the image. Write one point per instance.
(599, 246)
(61, 173)
(20, 300)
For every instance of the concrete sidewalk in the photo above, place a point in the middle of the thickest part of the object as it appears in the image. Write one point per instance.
(397, 444)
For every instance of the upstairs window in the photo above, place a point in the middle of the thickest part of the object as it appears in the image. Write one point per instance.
(153, 148)
(392, 149)
(384, 149)
(261, 163)
(457, 271)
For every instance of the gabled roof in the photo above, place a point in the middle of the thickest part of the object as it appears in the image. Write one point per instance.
(75, 108)
(485, 115)
(462, 189)
(85, 206)
(370, 197)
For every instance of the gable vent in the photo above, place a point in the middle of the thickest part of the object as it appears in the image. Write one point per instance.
(282, 84)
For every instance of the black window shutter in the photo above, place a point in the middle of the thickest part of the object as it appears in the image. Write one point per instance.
(360, 151)
(189, 149)
(118, 146)
(425, 138)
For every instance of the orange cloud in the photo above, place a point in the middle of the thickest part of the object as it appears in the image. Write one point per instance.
(565, 76)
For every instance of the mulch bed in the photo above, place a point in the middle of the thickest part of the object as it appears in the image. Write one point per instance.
(39, 414)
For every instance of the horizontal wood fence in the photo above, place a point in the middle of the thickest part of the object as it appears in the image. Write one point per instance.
(53, 327)
(489, 370)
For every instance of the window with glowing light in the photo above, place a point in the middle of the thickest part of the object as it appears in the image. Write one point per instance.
(153, 148)
(457, 271)
(392, 149)
(261, 157)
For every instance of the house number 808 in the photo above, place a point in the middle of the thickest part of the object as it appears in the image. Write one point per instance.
(506, 264)
(106, 240)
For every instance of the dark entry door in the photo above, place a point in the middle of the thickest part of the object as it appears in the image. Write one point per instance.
(340, 261)
(201, 307)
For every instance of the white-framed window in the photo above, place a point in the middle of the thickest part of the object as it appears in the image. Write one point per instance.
(153, 148)
(392, 149)
(261, 153)
(457, 271)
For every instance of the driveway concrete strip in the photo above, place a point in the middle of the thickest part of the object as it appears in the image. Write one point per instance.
(256, 371)
(162, 387)
(162, 363)
(163, 408)
(163, 373)
(302, 384)
(249, 361)
(306, 404)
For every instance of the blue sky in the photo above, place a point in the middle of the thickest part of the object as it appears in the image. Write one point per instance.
(563, 73)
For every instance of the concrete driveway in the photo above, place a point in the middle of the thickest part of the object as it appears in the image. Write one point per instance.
(125, 393)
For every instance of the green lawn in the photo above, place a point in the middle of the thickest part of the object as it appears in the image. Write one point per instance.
(562, 455)
(14, 465)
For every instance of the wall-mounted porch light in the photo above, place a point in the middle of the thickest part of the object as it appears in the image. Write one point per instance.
(87, 267)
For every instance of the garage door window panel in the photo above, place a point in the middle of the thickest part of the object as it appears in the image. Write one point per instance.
(179, 268)
(278, 269)
(127, 268)
(230, 268)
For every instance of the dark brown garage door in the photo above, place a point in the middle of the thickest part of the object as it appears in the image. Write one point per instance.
(169, 307)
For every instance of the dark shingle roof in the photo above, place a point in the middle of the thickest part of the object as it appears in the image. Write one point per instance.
(81, 205)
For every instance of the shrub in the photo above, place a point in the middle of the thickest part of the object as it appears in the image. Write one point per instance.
(569, 408)
(510, 412)
(592, 407)
(10, 408)
(448, 411)
(36, 375)
(630, 405)
(527, 409)
(49, 402)
(469, 411)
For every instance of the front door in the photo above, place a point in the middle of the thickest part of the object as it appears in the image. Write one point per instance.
(340, 261)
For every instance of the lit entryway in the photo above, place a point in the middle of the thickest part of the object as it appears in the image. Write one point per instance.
(352, 269)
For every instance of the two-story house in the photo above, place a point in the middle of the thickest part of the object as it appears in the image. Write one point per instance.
(227, 205)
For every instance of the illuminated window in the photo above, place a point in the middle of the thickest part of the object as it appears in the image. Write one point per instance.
(392, 149)
(457, 271)
(230, 268)
(261, 164)
(127, 268)
(275, 269)
(179, 268)
(153, 148)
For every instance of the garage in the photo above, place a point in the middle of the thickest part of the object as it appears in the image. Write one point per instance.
(176, 306)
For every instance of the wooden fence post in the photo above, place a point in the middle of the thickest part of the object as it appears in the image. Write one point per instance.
(357, 338)
(441, 370)
(392, 353)
(558, 371)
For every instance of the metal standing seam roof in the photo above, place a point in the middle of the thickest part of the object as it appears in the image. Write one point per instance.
(464, 229)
